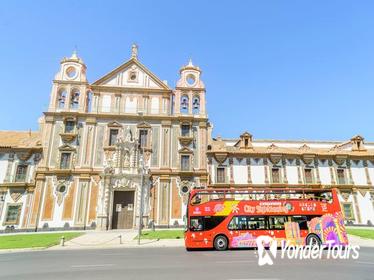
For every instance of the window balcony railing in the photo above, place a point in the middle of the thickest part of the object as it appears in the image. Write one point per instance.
(65, 166)
(20, 178)
(221, 180)
(341, 181)
(186, 167)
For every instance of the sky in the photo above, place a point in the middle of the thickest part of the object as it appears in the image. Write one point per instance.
(277, 69)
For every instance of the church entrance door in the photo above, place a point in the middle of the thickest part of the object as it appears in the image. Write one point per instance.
(123, 209)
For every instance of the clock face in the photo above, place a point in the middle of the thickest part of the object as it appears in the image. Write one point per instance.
(71, 72)
(190, 79)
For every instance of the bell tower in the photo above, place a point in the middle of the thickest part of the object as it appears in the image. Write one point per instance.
(69, 90)
(190, 92)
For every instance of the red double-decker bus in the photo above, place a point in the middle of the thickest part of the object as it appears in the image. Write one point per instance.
(232, 218)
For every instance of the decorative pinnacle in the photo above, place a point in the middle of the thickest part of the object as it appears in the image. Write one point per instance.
(134, 51)
(74, 55)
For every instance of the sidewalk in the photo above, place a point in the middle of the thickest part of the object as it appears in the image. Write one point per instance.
(362, 242)
(111, 239)
(115, 239)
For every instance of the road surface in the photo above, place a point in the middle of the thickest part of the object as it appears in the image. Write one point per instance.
(175, 264)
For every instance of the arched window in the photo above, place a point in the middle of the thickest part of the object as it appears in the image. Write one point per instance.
(196, 105)
(61, 98)
(184, 104)
(74, 99)
(89, 102)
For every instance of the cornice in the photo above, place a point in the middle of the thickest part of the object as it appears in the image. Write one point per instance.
(129, 90)
(61, 82)
(294, 154)
(190, 89)
(126, 116)
(11, 149)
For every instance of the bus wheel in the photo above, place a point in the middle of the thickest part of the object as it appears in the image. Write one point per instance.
(313, 240)
(220, 243)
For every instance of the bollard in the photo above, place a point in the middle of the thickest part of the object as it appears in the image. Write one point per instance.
(120, 239)
(62, 243)
(153, 226)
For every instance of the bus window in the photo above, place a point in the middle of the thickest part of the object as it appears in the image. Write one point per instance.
(196, 200)
(256, 222)
(326, 197)
(216, 196)
(301, 220)
(210, 222)
(196, 223)
(277, 222)
(238, 223)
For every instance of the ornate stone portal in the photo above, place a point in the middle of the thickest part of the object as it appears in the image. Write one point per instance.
(123, 172)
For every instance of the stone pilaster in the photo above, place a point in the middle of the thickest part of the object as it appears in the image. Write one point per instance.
(299, 177)
(349, 171)
(266, 167)
(357, 208)
(365, 163)
(316, 166)
(231, 162)
(284, 165)
(332, 172)
(249, 180)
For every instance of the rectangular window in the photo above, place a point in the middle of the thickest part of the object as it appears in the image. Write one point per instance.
(196, 224)
(185, 130)
(143, 137)
(247, 223)
(65, 160)
(275, 174)
(13, 213)
(277, 222)
(69, 126)
(21, 173)
(257, 222)
(238, 223)
(221, 175)
(308, 176)
(348, 211)
(185, 163)
(341, 176)
(211, 222)
(113, 134)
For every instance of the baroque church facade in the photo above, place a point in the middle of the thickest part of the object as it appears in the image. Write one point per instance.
(100, 142)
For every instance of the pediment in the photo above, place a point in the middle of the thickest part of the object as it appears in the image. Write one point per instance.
(66, 147)
(304, 148)
(114, 124)
(143, 125)
(131, 74)
(272, 147)
(185, 150)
